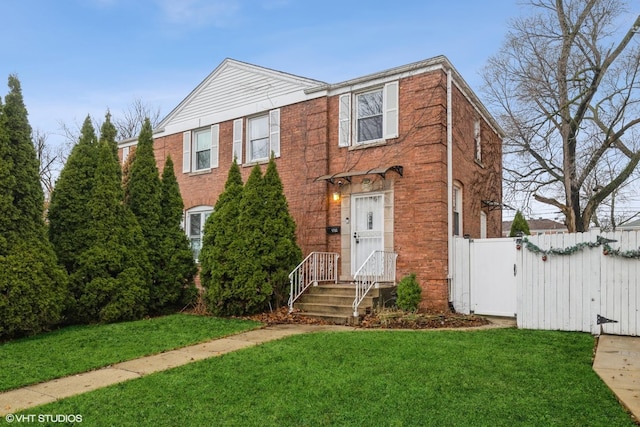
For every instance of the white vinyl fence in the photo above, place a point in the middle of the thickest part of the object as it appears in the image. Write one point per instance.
(571, 281)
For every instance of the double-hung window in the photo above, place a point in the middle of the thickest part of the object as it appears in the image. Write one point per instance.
(258, 138)
(369, 116)
(196, 219)
(263, 136)
(200, 149)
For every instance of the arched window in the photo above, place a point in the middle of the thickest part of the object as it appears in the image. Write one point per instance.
(456, 204)
(195, 219)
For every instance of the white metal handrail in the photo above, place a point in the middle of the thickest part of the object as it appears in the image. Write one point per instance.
(316, 267)
(380, 266)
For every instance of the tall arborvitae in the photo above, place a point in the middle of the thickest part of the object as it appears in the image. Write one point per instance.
(282, 254)
(219, 257)
(7, 182)
(32, 285)
(177, 269)
(519, 225)
(113, 273)
(126, 170)
(251, 289)
(108, 133)
(28, 198)
(143, 193)
(69, 220)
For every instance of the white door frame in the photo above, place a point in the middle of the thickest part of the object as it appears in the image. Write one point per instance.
(360, 228)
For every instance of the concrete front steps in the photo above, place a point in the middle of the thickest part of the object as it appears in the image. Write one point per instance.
(333, 303)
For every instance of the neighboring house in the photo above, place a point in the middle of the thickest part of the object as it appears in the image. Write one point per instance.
(629, 226)
(537, 226)
(399, 160)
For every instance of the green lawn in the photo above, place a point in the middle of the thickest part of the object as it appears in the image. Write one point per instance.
(502, 377)
(82, 348)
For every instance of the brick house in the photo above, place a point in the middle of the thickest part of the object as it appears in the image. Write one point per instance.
(398, 160)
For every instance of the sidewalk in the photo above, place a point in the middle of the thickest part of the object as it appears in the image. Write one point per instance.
(617, 362)
(50, 391)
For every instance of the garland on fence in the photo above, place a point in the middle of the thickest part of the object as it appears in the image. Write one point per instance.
(600, 241)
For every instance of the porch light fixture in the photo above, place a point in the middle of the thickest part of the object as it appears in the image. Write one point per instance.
(337, 193)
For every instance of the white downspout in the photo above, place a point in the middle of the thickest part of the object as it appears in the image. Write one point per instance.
(449, 184)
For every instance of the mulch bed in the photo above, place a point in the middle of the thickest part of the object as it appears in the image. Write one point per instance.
(385, 319)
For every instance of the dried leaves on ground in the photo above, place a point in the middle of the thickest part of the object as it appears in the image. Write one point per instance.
(392, 319)
(385, 319)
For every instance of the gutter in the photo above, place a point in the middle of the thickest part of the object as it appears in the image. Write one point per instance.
(449, 183)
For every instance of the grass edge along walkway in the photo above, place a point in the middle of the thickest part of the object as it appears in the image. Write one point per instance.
(82, 348)
(500, 377)
(51, 391)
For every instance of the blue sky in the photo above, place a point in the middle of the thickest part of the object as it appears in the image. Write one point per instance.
(79, 57)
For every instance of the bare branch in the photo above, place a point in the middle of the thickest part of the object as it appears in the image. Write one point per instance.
(568, 96)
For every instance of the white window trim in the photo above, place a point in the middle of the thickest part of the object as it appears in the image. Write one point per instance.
(189, 151)
(344, 119)
(204, 210)
(356, 117)
(477, 138)
(457, 207)
(348, 117)
(273, 126)
(125, 154)
(237, 141)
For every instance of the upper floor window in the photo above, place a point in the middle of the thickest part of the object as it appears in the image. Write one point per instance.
(195, 221)
(200, 149)
(477, 140)
(258, 138)
(263, 137)
(369, 116)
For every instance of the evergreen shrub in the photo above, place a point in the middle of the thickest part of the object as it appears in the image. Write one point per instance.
(409, 293)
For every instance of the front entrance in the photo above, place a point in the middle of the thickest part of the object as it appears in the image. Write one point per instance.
(367, 228)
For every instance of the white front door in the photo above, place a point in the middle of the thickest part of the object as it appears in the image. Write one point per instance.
(367, 230)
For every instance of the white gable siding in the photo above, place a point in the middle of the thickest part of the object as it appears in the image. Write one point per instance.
(235, 90)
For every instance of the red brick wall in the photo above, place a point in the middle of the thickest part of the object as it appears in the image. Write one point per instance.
(309, 149)
(480, 180)
(420, 195)
(303, 158)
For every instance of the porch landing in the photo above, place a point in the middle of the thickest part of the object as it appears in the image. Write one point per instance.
(333, 303)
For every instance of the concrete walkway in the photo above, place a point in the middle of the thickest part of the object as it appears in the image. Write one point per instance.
(617, 362)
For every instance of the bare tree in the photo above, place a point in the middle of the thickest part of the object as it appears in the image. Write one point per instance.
(51, 160)
(566, 89)
(130, 122)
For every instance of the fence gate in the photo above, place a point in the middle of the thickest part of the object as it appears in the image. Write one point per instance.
(484, 277)
(586, 282)
(580, 282)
